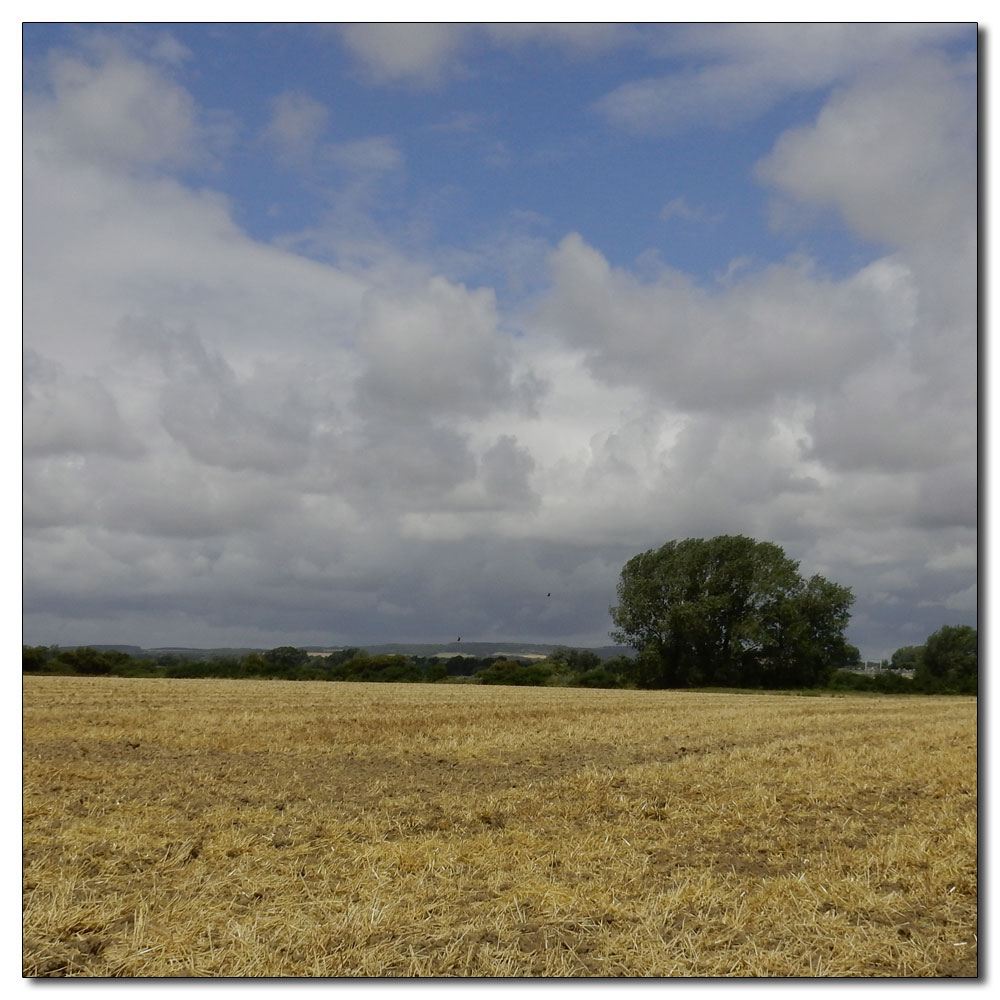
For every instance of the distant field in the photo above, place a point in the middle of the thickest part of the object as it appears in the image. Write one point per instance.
(268, 828)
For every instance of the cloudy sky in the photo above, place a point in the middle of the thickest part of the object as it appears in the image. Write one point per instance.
(345, 334)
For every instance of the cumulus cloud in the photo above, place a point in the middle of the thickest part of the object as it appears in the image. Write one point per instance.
(784, 330)
(742, 70)
(425, 55)
(915, 408)
(71, 414)
(896, 157)
(227, 442)
(421, 54)
(110, 107)
(435, 349)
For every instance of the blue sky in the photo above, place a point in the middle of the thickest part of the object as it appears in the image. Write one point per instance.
(517, 139)
(347, 333)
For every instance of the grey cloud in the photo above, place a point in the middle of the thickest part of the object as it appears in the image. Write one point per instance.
(66, 413)
(163, 496)
(949, 497)
(898, 587)
(402, 464)
(223, 421)
(781, 331)
(507, 470)
(874, 423)
(435, 350)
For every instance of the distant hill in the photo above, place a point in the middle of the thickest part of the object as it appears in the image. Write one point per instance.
(481, 649)
(476, 649)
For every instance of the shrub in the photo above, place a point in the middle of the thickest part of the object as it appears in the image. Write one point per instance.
(514, 672)
(598, 677)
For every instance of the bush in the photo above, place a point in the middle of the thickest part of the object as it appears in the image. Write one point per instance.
(363, 667)
(516, 673)
(34, 658)
(599, 677)
(85, 661)
(887, 682)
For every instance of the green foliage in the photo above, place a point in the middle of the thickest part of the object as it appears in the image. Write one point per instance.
(363, 667)
(515, 672)
(886, 682)
(285, 658)
(86, 661)
(34, 658)
(620, 665)
(907, 658)
(343, 655)
(461, 666)
(436, 672)
(598, 677)
(950, 661)
(728, 611)
(575, 661)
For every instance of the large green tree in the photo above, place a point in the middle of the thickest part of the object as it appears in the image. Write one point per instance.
(729, 611)
(907, 658)
(950, 661)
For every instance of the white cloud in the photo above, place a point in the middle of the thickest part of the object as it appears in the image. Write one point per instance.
(434, 349)
(417, 53)
(894, 154)
(961, 557)
(783, 330)
(296, 126)
(375, 154)
(296, 131)
(965, 601)
(215, 426)
(742, 70)
(586, 39)
(425, 55)
(115, 109)
(678, 208)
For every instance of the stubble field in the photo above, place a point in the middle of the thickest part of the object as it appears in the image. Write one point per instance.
(268, 828)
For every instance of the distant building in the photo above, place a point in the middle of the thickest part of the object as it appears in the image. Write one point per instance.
(871, 667)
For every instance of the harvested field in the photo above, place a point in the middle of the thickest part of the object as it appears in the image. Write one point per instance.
(268, 828)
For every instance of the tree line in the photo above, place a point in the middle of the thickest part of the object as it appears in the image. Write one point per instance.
(724, 612)
(564, 667)
(945, 664)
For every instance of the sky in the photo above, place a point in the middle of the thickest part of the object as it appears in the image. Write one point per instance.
(355, 333)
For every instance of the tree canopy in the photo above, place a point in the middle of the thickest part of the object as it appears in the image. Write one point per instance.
(950, 661)
(729, 611)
